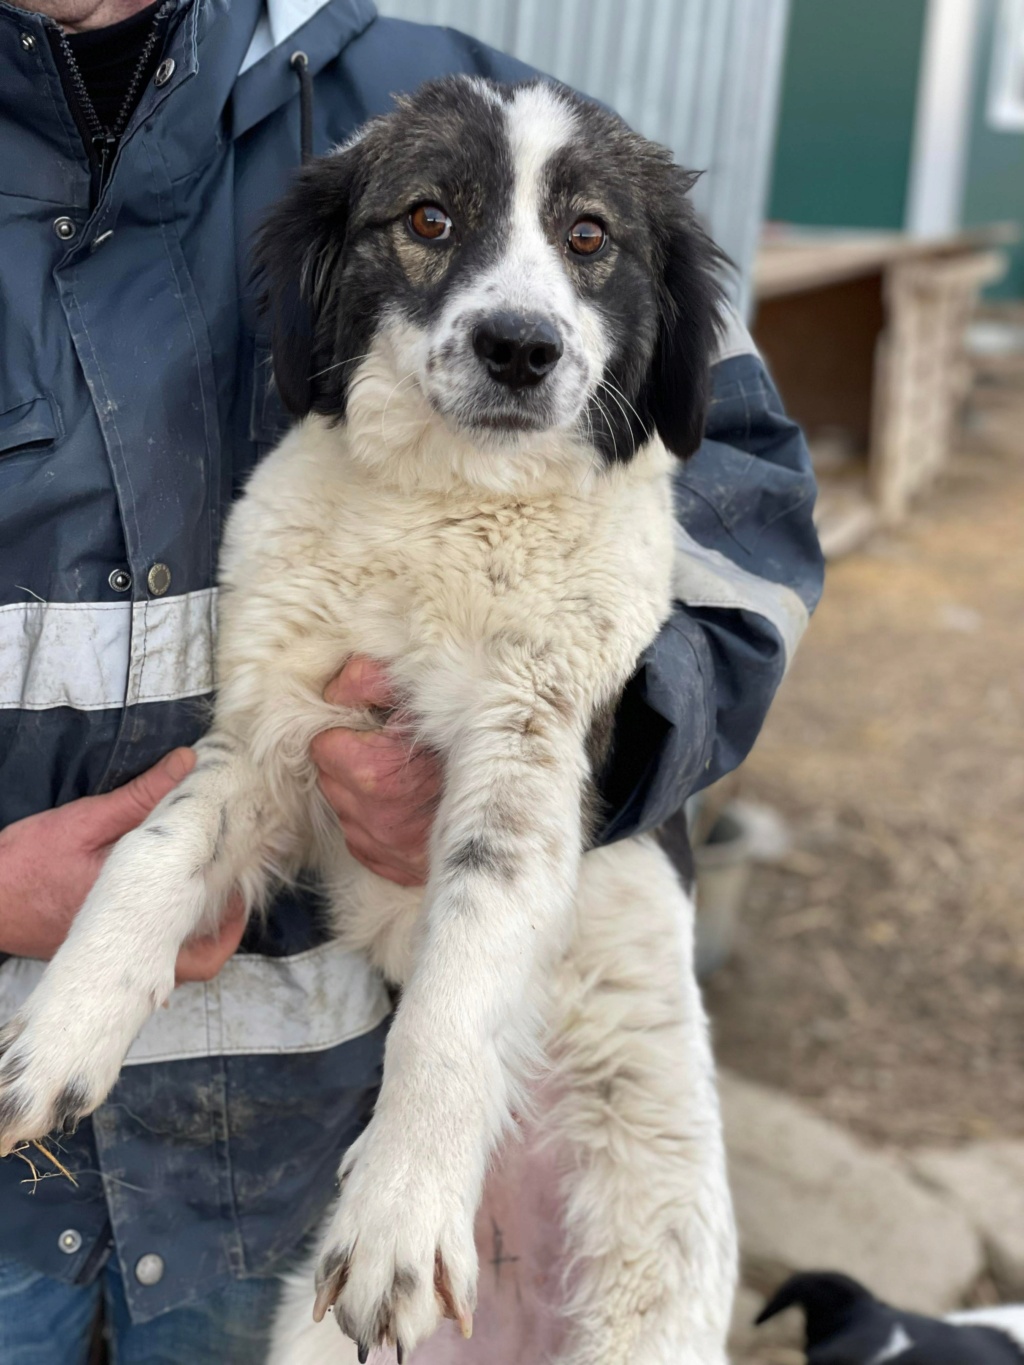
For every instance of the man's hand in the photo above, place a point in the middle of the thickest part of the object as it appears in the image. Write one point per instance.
(48, 863)
(383, 790)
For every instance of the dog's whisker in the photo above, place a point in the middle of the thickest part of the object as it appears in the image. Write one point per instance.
(610, 426)
(384, 411)
(620, 398)
(338, 364)
(592, 460)
(614, 398)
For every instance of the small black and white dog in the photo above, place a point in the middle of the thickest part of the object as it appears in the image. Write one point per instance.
(847, 1325)
(494, 314)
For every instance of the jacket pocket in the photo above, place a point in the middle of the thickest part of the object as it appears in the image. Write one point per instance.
(28, 425)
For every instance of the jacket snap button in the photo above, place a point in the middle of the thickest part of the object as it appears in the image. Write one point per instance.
(164, 72)
(64, 228)
(120, 580)
(159, 579)
(28, 42)
(149, 1269)
(70, 1241)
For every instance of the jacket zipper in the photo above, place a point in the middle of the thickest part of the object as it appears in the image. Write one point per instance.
(103, 140)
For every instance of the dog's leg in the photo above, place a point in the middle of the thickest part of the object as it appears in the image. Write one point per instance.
(399, 1249)
(161, 883)
(651, 1240)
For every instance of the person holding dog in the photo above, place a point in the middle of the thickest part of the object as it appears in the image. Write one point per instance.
(142, 144)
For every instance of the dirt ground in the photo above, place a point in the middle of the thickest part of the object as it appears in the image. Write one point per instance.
(880, 973)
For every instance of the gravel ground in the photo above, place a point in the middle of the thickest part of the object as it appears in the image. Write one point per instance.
(880, 973)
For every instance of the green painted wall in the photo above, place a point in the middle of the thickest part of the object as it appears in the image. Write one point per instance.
(994, 189)
(847, 115)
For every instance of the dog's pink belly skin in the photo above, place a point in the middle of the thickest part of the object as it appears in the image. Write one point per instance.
(518, 1237)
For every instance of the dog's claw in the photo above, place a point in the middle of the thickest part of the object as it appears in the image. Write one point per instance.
(400, 1354)
(443, 1289)
(330, 1281)
(363, 1353)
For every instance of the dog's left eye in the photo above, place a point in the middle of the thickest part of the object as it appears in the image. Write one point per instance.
(430, 222)
(587, 236)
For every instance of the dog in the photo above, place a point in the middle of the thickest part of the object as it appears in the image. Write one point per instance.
(493, 314)
(847, 1325)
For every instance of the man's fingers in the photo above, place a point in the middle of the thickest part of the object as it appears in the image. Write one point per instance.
(400, 876)
(346, 805)
(383, 789)
(365, 845)
(361, 683)
(357, 759)
(385, 862)
(400, 824)
(200, 959)
(376, 764)
(116, 812)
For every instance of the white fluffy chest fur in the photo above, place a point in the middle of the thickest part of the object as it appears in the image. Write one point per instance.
(556, 591)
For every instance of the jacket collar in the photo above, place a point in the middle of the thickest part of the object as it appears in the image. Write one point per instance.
(279, 20)
(319, 28)
(243, 47)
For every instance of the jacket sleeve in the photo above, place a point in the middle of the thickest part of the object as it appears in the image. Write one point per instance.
(748, 573)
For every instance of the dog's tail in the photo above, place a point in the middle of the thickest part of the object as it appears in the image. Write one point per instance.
(828, 1299)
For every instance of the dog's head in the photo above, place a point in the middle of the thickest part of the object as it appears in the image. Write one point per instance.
(508, 268)
(847, 1325)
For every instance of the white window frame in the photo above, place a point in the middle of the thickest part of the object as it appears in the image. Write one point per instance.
(1006, 81)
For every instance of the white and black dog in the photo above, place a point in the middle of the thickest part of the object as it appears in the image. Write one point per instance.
(847, 1325)
(495, 314)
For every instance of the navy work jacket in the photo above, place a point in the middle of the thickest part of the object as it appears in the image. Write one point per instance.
(135, 397)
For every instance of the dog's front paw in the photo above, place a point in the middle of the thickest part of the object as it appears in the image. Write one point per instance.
(60, 1056)
(43, 1086)
(399, 1252)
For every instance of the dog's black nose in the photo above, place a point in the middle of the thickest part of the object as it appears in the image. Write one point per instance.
(517, 350)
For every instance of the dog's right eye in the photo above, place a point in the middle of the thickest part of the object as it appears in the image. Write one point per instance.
(430, 222)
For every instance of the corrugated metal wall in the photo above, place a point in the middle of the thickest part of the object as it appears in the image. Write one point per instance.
(701, 76)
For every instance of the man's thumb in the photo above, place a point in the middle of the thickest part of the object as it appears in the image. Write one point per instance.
(119, 811)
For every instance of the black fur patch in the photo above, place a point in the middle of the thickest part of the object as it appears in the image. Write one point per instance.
(846, 1323)
(333, 1267)
(337, 252)
(218, 744)
(70, 1105)
(222, 833)
(13, 1069)
(478, 854)
(657, 283)
(406, 1281)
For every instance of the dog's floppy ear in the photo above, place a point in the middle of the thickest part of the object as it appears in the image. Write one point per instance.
(689, 319)
(297, 249)
(827, 1298)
